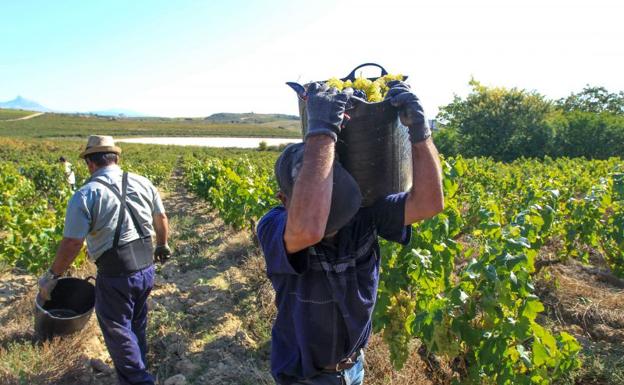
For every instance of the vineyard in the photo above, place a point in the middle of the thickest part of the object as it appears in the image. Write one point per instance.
(78, 125)
(471, 295)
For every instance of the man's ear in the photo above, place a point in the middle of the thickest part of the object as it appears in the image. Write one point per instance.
(282, 197)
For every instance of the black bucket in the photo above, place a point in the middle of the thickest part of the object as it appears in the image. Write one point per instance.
(373, 146)
(69, 309)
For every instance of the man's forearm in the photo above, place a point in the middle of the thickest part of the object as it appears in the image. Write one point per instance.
(67, 251)
(426, 197)
(161, 226)
(310, 203)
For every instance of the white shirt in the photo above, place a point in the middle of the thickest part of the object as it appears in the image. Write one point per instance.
(69, 173)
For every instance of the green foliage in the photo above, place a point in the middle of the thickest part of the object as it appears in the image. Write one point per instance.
(498, 122)
(588, 134)
(593, 99)
(241, 191)
(465, 280)
(6, 114)
(507, 124)
(31, 223)
(446, 141)
(34, 195)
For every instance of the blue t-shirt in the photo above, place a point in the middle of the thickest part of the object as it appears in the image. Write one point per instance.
(325, 294)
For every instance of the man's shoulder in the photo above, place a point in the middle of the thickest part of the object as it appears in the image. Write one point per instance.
(275, 213)
(272, 218)
(140, 180)
(89, 187)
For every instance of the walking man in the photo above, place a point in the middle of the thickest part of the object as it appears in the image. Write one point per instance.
(117, 212)
(321, 247)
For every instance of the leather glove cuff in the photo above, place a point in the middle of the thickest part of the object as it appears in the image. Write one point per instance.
(419, 133)
(321, 128)
(50, 275)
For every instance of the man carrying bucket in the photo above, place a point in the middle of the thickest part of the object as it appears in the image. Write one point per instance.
(117, 212)
(324, 263)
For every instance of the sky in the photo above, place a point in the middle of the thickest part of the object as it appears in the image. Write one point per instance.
(195, 58)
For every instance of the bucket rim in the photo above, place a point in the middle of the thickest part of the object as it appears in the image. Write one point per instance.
(61, 318)
(44, 311)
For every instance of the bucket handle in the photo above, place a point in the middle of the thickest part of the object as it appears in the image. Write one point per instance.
(351, 76)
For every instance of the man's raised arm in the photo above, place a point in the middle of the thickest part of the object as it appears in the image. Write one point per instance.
(308, 207)
(426, 197)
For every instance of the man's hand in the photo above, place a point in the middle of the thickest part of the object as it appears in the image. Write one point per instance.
(162, 253)
(410, 110)
(47, 283)
(325, 108)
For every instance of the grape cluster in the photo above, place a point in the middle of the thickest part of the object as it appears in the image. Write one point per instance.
(396, 334)
(370, 90)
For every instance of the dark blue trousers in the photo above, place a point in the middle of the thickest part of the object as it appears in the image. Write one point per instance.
(121, 309)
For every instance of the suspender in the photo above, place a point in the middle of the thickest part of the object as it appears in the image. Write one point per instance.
(122, 210)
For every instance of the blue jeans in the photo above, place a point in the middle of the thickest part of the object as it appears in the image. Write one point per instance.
(121, 309)
(352, 376)
(355, 375)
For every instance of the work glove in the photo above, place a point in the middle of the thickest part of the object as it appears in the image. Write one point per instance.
(47, 283)
(411, 111)
(162, 253)
(325, 108)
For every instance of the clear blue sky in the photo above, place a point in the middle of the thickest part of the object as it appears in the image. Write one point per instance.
(193, 58)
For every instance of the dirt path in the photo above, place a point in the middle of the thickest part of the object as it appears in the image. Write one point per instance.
(196, 327)
(25, 117)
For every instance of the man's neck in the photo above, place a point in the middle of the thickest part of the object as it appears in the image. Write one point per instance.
(100, 170)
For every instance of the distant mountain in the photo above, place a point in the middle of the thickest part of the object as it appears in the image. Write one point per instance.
(249, 117)
(20, 103)
(118, 112)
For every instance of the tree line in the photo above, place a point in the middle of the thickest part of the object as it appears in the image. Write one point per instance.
(506, 124)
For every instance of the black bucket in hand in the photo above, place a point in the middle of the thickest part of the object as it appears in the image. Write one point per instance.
(69, 309)
(373, 146)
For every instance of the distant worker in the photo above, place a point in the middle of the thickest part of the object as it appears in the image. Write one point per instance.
(117, 212)
(70, 177)
(324, 264)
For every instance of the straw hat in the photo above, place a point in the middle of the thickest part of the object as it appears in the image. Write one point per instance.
(100, 143)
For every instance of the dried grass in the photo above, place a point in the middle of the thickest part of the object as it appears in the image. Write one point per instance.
(576, 296)
(24, 360)
(379, 370)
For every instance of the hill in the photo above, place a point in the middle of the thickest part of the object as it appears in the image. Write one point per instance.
(20, 103)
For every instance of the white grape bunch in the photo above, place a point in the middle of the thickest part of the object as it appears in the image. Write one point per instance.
(375, 90)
